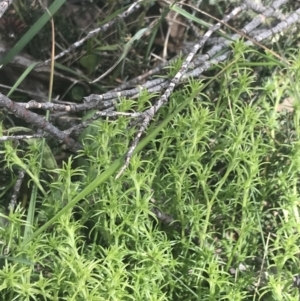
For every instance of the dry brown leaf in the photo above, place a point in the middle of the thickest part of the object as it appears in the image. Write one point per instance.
(174, 38)
(286, 105)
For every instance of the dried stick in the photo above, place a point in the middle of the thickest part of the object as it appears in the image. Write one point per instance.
(133, 7)
(219, 42)
(39, 122)
(20, 137)
(4, 6)
(168, 220)
(149, 114)
(16, 191)
(78, 128)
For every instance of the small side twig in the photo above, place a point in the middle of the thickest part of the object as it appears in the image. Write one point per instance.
(4, 6)
(78, 128)
(20, 137)
(135, 6)
(16, 191)
(169, 221)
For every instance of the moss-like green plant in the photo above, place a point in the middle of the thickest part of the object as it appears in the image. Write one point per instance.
(225, 169)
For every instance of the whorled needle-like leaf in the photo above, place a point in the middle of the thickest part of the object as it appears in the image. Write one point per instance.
(111, 170)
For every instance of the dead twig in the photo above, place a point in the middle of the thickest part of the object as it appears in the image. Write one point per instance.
(16, 191)
(39, 122)
(4, 6)
(133, 7)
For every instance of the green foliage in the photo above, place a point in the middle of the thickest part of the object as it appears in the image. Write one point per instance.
(225, 170)
(222, 161)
